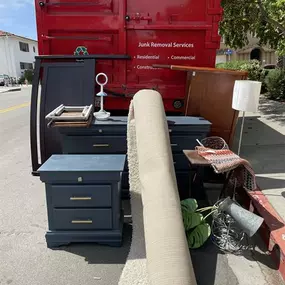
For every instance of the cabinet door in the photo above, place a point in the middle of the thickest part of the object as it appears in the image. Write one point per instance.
(96, 25)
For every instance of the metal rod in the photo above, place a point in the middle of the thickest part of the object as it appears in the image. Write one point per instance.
(91, 56)
(54, 111)
(102, 104)
(241, 133)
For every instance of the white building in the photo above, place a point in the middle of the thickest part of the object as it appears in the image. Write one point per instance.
(16, 54)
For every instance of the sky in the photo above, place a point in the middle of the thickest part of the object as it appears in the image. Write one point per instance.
(18, 17)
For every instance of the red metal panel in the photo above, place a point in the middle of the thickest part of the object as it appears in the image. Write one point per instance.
(63, 7)
(170, 11)
(183, 32)
(273, 229)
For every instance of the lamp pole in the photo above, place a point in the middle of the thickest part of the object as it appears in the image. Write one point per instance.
(241, 132)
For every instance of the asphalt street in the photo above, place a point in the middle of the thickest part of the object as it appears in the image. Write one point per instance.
(24, 257)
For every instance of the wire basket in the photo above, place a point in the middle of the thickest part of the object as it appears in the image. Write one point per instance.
(227, 234)
(214, 143)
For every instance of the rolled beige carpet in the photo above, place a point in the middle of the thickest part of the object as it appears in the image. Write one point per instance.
(135, 269)
(152, 175)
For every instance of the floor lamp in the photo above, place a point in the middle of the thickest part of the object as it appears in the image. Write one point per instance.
(245, 99)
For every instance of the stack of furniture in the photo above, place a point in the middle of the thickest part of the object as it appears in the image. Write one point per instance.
(109, 137)
(85, 184)
(83, 198)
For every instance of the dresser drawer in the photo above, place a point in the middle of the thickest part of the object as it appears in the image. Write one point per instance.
(179, 143)
(82, 219)
(76, 196)
(183, 183)
(180, 162)
(94, 144)
(96, 130)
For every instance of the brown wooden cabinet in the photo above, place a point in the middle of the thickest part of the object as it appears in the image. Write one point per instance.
(209, 95)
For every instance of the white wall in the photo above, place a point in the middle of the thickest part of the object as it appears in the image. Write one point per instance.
(5, 63)
(11, 55)
(221, 59)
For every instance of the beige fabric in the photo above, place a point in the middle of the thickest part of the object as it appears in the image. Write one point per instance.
(152, 174)
(135, 270)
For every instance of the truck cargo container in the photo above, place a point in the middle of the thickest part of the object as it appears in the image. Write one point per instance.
(174, 32)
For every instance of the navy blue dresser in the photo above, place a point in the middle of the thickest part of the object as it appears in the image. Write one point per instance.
(110, 137)
(83, 198)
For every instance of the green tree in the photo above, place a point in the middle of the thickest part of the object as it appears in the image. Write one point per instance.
(29, 74)
(263, 18)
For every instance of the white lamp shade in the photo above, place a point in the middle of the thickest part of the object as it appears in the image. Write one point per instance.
(246, 95)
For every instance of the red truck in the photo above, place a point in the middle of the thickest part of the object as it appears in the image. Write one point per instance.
(168, 32)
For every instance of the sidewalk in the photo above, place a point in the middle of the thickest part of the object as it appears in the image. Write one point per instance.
(263, 145)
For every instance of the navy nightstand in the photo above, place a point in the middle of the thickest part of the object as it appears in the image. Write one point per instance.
(83, 198)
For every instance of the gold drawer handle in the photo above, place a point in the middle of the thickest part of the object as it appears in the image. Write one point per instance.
(174, 144)
(80, 198)
(81, 221)
(101, 145)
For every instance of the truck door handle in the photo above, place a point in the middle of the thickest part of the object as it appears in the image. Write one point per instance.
(145, 18)
(138, 17)
(101, 145)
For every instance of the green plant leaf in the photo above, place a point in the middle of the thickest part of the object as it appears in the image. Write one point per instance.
(190, 219)
(244, 17)
(275, 81)
(190, 205)
(197, 237)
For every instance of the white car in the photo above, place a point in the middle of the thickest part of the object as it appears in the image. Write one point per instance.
(4, 80)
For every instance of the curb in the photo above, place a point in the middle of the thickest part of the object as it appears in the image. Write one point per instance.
(272, 230)
(11, 90)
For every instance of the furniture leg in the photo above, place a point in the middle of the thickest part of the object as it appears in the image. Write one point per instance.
(198, 190)
(223, 192)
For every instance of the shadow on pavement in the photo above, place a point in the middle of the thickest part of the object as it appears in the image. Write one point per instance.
(211, 265)
(260, 254)
(101, 254)
(271, 183)
(273, 110)
(257, 133)
(205, 264)
(98, 254)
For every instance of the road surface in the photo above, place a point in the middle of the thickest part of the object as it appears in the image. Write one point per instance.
(24, 257)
